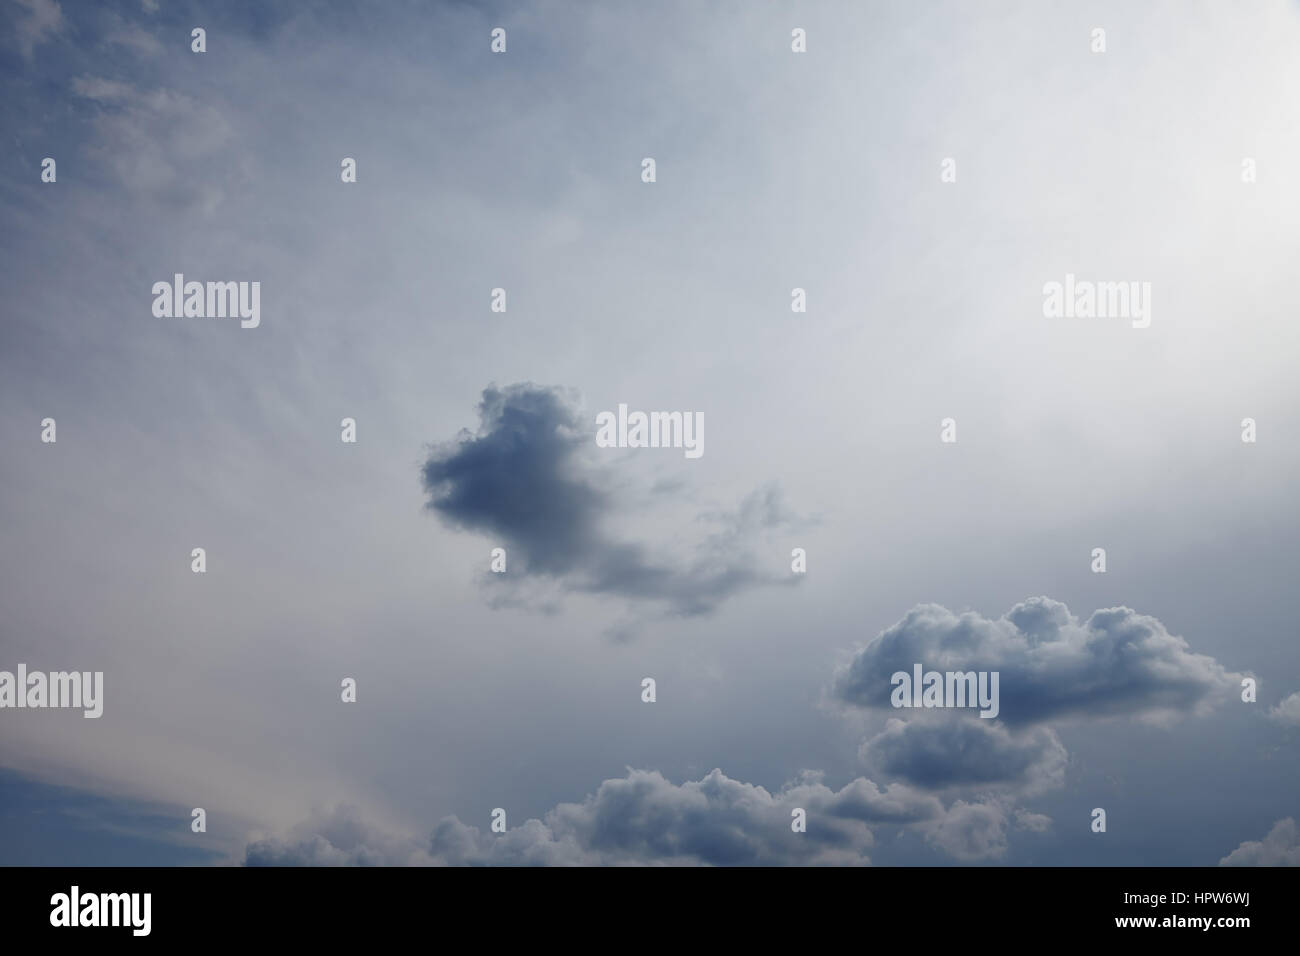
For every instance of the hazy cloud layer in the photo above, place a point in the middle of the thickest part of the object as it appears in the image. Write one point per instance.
(1125, 663)
(1117, 662)
(524, 481)
(194, 168)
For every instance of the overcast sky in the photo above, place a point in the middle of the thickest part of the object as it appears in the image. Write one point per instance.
(775, 170)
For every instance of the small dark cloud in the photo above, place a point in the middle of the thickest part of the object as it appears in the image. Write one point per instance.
(967, 751)
(644, 818)
(524, 481)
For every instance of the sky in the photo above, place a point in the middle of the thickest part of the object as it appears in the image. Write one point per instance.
(775, 170)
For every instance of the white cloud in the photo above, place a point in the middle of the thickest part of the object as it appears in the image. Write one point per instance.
(1280, 848)
(1287, 711)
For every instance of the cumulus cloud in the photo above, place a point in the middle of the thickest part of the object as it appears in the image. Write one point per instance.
(955, 751)
(523, 481)
(1280, 848)
(645, 819)
(971, 831)
(1051, 665)
(1288, 711)
(977, 830)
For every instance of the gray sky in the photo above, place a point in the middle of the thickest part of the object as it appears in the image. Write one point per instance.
(521, 170)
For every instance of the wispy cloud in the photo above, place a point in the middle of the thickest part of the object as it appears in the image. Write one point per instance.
(44, 19)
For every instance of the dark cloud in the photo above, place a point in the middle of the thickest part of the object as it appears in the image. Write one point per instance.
(967, 751)
(516, 480)
(644, 818)
(1280, 848)
(523, 481)
(1118, 662)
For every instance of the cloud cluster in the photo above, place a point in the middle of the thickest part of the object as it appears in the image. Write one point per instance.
(1116, 663)
(1052, 667)
(645, 819)
(523, 481)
